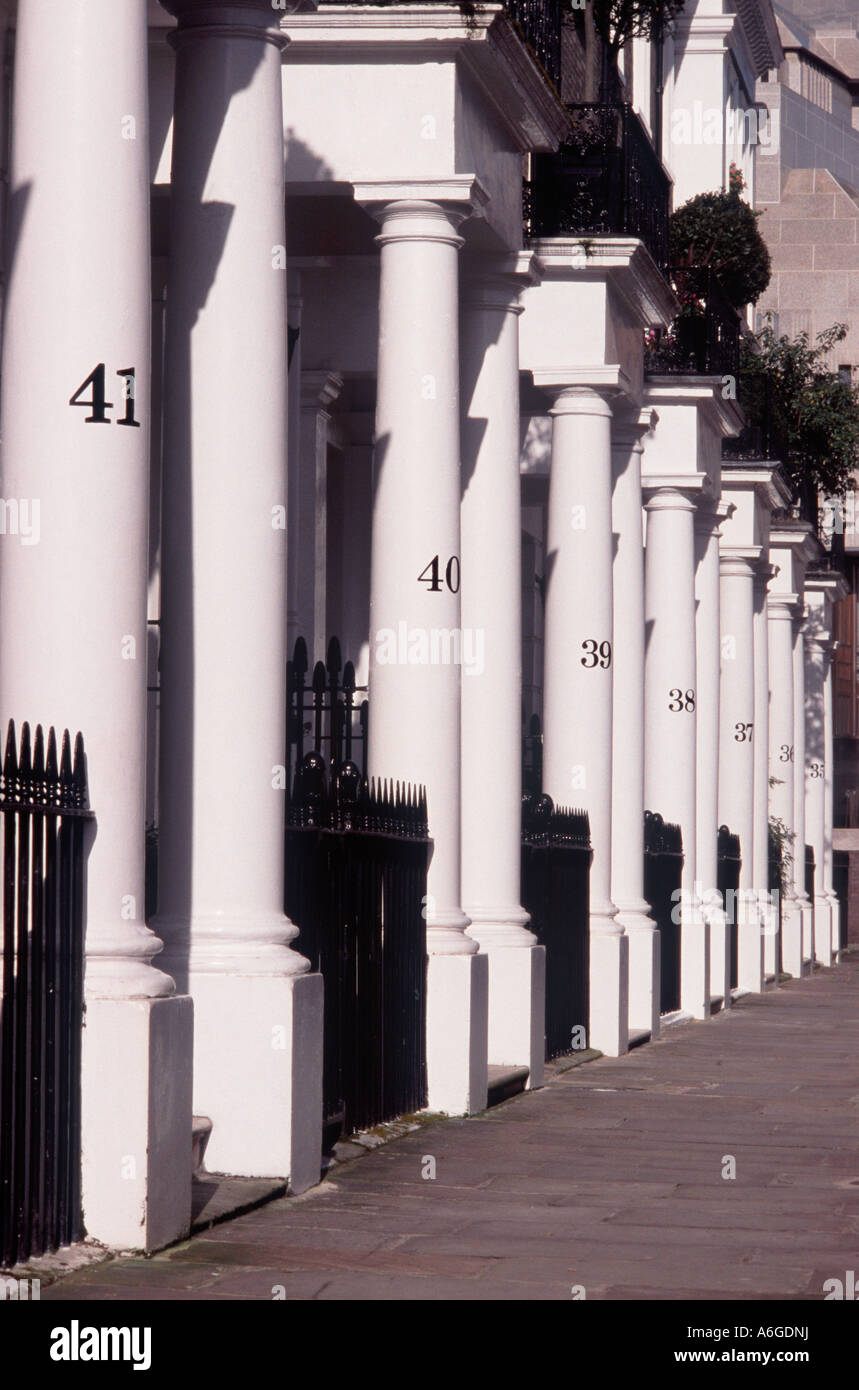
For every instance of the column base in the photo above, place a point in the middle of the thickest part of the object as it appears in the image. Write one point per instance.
(517, 1008)
(769, 926)
(457, 1033)
(258, 1074)
(835, 917)
(823, 931)
(720, 953)
(644, 969)
(136, 1083)
(791, 938)
(609, 990)
(750, 944)
(807, 909)
(694, 962)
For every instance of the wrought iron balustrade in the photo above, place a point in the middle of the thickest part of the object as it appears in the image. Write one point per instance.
(605, 180)
(704, 339)
(326, 715)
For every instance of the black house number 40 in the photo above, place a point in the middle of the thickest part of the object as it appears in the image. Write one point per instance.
(97, 403)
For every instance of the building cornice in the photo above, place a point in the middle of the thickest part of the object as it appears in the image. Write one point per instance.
(486, 44)
(762, 477)
(622, 262)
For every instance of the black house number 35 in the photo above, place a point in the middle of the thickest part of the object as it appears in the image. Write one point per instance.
(98, 405)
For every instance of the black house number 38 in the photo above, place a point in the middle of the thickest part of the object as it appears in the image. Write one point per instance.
(97, 403)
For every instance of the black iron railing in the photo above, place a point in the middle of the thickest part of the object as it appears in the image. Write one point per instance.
(729, 862)
(44, 808)
(776, 873)
(556, 859)
(356, 882)
(704, 339)
(663, 868)
(605, 180)
(327, 714)
(538, 21)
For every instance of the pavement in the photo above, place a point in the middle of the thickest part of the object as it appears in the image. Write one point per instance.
(720, 1162)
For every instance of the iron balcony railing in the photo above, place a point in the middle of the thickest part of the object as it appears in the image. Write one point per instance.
(539, 22)
(605, 180)
(704, 338)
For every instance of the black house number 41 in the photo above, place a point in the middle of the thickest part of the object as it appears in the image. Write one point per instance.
(97, 403)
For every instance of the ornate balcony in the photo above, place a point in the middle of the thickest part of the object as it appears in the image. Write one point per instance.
(605, 180)
(704, 339)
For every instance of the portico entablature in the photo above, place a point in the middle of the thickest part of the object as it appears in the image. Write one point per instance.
(370, 93)
(693, 420)
(588, 310)
(755, 491)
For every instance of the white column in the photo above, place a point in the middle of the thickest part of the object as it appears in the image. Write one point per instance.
(708, 648)
(627, 780)
(670, 698)
(799, 782)
(294, 307)
(767, 911)
(816, 667)
(415, 596)
(781, 609)
(310, 510)
(577, 684)
(737, 749)
(829, 807)
(73, 571)
(491, 679)
(258, 1035)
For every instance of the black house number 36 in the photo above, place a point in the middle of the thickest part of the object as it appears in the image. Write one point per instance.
(98, 405)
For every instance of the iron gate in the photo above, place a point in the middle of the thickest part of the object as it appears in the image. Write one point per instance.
(556, 860)
(663, 868)
(356, 870)
(44, 808)
(729, 863)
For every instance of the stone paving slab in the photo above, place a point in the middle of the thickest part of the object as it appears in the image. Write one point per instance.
(609, 1177)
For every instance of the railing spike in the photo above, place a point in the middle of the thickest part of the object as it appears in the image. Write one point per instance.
(25, 764)
(39, 752)
(66, 759)
(51, 766)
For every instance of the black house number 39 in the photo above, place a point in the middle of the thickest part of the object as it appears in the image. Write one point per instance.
(97, 403)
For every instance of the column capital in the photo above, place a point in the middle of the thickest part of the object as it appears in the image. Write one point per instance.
(250, 19)
(739, 562)
(630, 424)
(661, 496)
(320, 389)
(582, 383)
(496, 282)
(421, 209)
(782, 607)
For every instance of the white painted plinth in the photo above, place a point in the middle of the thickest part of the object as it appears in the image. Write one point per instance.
(695, 961)
(609, 1031)
(750, 942)
(457, 1032)
(517, 1017)
(258, 1074)
(644, 967)
(720, 953)
(135, 1110)
(791, 938)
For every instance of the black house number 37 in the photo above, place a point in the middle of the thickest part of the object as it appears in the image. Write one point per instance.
(97, 403)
